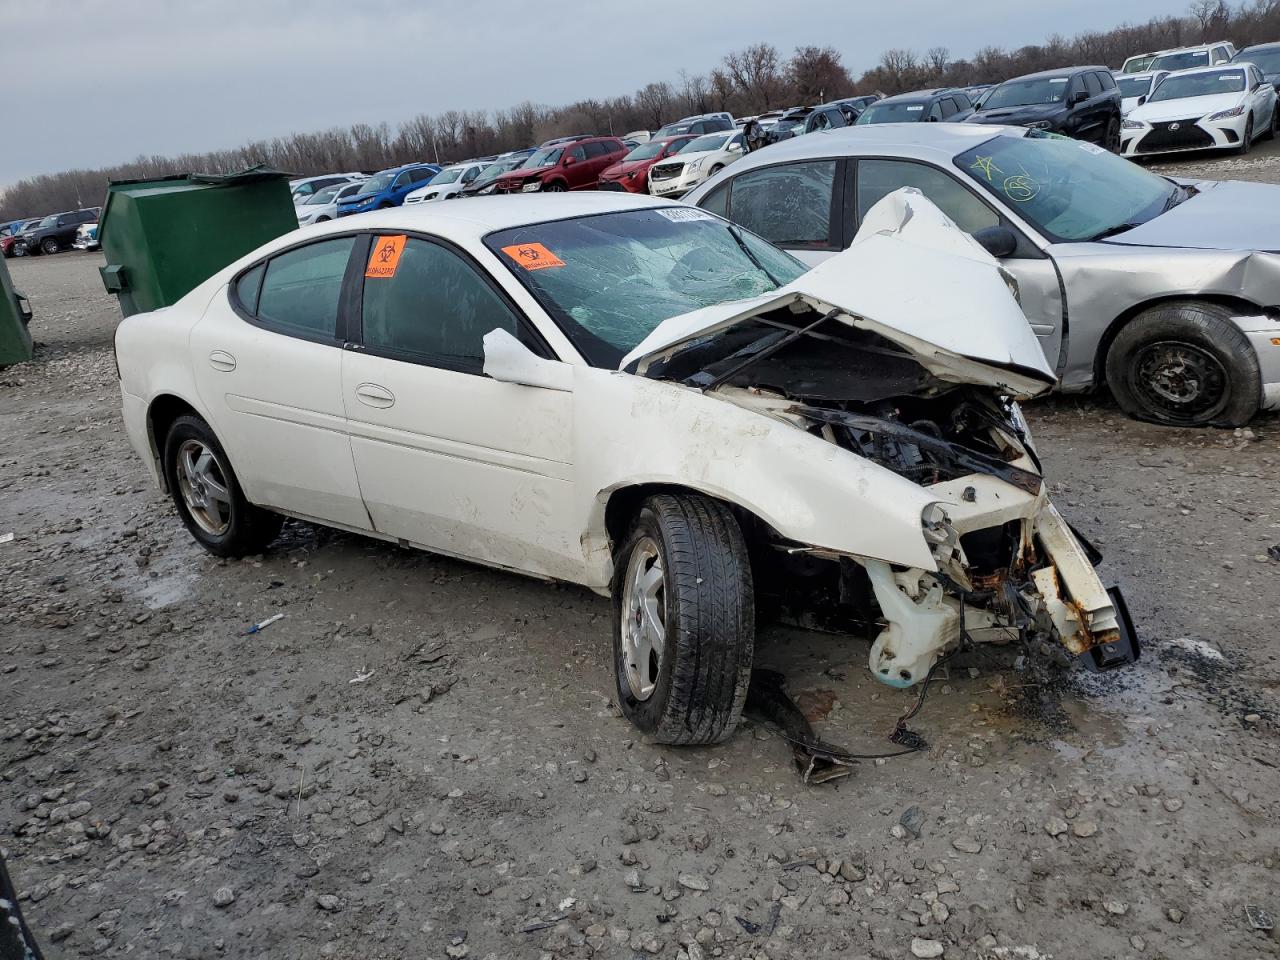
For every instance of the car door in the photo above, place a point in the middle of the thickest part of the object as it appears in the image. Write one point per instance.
(267, 358)
(1039, 286)
(796, 206)
(447, 457)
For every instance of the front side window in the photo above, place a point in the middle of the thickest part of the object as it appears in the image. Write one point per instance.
(433, 307)
(1068, 189)
(935, 110)
(609, 280)
(1092, 84)
(789, 205)
(577, 153)
(878, 178)
(376, 184)
(302, 287)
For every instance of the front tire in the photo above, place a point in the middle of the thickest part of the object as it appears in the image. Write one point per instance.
(684, 620)
(555, 188)
(1247, 143)
(1112, 136)
(208, 495)
(49, 245)
(1274, 125)
(1185, 364)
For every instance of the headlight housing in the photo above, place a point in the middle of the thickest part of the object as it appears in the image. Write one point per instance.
(533, 186)
(1039, 124)
(1227, 114)
(694, 164)
(1130, 125)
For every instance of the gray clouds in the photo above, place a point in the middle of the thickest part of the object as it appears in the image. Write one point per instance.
(91, 82)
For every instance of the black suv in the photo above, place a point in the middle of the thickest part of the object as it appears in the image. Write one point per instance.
(1080, 102)
(53, 233)
(943, 104)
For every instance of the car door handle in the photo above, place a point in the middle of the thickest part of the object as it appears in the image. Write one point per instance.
(221, 360)
(373, 395)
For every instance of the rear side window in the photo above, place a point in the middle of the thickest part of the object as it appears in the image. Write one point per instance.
(301, 288)
(789, 205)
(435, 308)
(248, 287)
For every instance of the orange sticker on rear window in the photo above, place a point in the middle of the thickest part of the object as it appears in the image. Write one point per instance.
(533, 256)
(385, 257)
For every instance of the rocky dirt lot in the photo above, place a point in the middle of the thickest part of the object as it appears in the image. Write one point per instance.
(422, 759)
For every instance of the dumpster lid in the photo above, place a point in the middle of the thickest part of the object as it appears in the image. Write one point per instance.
(259, 171)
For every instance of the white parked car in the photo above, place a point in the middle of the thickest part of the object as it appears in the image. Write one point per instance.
(1136, 87)
(322, 206)
(702, 158)
(1212, 108)
(1189, 58)
(638, 397)
(448, 183)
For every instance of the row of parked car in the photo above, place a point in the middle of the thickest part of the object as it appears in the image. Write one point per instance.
(72, 229)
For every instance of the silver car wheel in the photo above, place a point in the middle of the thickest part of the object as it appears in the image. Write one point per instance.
(202, 483)
(644, 630)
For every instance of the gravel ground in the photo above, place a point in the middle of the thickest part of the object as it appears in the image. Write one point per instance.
(422, 759)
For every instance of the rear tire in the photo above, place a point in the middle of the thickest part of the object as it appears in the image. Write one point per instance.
(1185, 364)
(684, 568)
(208, 495)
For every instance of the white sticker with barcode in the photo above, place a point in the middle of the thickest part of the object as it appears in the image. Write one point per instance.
(683, 214)
(915, 109)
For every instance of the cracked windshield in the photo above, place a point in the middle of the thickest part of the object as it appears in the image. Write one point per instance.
(609, 280)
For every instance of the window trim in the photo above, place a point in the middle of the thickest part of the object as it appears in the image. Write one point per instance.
(1027, 249)
(837, 235)
(252, 318)
(527, 331)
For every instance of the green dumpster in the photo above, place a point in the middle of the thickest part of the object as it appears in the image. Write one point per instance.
(162, 238)
(15, 314)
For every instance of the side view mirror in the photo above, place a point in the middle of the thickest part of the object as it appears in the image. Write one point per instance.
(1142, 99)
(735, 148)
(931, 119)
(569, 161)
(999, 241)
(507, 360)
(1080, 96)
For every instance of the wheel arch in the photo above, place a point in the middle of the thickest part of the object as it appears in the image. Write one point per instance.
(163, 410)
(1114, 328)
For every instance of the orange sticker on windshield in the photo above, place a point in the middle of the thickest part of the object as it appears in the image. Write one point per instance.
(385, 257)
(533, 256)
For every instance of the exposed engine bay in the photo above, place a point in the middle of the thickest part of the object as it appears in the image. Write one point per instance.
(1008, 567)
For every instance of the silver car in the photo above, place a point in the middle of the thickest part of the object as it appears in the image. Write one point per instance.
(1166, 291)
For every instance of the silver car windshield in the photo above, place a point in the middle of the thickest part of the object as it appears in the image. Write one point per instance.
(1068, 189)
(610, 279)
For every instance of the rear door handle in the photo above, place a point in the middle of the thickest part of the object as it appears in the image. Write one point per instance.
(374, 395)
(221, 360)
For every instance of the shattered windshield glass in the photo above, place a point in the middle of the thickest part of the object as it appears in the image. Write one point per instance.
(609, 280)
(1069, 189)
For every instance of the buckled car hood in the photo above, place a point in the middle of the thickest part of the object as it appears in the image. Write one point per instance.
(910, 276)
(1226, 215)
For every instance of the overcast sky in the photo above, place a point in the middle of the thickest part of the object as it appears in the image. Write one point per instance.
(93, 82)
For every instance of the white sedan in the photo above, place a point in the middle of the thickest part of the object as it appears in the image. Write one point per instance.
(322, 206)
(448, 183)
(638, 397)
(1226, 107)
(697, 161)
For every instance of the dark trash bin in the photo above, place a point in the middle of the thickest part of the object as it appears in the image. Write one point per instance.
(162, 238)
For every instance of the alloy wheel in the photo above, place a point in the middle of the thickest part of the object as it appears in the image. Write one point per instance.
(644, 631)
(203, 485)
(1182, 380)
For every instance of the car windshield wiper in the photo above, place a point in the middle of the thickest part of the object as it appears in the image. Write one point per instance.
(752, 257)
(1118, 228)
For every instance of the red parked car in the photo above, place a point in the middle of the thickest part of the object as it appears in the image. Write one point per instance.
(631, 173)
(565, 166)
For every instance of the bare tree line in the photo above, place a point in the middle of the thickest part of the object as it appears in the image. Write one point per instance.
(746, 81)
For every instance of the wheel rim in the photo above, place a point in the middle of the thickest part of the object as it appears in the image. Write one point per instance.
(555, 188)
(1182, 380)
(644, 630)
(50, 246)
(1113, 137)
(203, 485)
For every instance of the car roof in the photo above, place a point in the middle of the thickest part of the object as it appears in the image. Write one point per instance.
(1060, 72)
(939, 142)
(1273, 45)
(479, 216)
(1216, 68)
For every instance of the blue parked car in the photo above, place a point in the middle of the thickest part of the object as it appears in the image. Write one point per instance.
(388, 188)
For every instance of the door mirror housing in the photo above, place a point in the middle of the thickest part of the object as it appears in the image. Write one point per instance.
(999, 241)
(508, 360)
(568, 161)
(1142, 99)
(1080, 96)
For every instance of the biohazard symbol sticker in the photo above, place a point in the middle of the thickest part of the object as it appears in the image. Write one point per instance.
(533, 256)
(385, 257)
